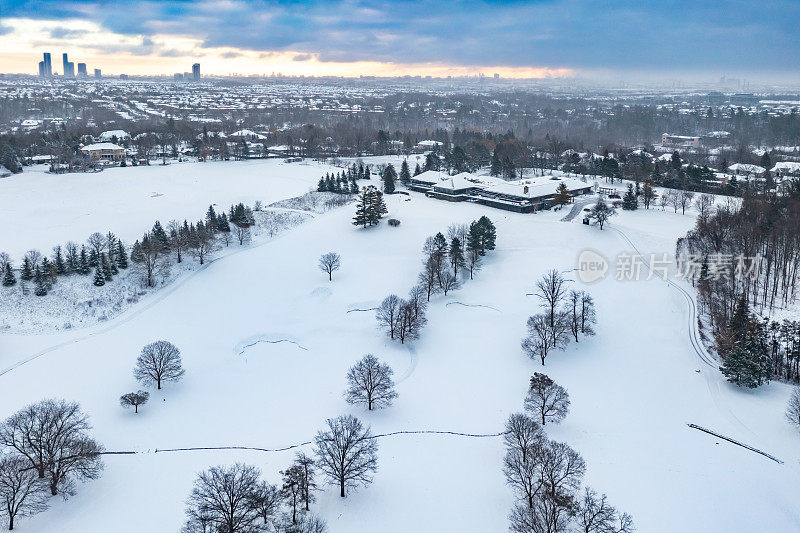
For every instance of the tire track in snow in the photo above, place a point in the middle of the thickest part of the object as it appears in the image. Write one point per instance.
(243, 348)
(135, 311)
(306, 443)
(448, 304)
(694, 337)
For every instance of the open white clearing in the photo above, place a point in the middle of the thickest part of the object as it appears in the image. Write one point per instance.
(633, 387)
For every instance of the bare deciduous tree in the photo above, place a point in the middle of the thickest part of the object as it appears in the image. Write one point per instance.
(134, 399)
(329, 263)
(388, 314)
(793, 409)
(222, 499)
(429, 277)
(370, 383)
(242, 233)
(159, 361)
(22, 491)
(473, 258)
(449, 282)
(52, 435)
(522, 432)
(547, 399)
(551, 290)
(546, 334)
(346, 453)
(596, 515)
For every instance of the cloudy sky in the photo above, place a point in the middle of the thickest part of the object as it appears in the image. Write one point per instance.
(700, 39)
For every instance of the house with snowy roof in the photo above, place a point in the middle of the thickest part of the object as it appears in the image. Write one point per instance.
(113, 136)
(103, 152)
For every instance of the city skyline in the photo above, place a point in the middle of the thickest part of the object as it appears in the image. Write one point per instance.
(521, 39)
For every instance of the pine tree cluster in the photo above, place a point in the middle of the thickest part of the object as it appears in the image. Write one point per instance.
(343, 182)
(370, 207)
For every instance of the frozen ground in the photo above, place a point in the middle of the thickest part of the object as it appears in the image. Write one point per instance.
(56, 208)
(633, 387)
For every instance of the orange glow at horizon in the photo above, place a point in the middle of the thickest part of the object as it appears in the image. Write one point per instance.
(167, 54)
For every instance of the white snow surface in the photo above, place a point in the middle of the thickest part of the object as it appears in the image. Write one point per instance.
(57, 208)
(634, 387)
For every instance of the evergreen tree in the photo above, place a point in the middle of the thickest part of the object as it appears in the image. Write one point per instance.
(58, 260)
(211, 215)
(26, 274)
(405, 175)
(93, 258)
(9, 280)
(222, 223)
(105, 266)
(377, 207)
(562, 196)
(321, 186)
(39, 282)
(417, 170)
(474, 239)
(648, 194)
(488, 233)
(122, 256)
(497, 167)
(361, 218)
(389, 176)
(83, 266)
(456, 255)
(160, 236)
(48, 271)
(629, 200)
(353, 187)
(99, 278)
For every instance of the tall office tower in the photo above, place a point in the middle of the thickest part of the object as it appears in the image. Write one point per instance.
(41, 69)
(196, 71)
(48, 65)
(82, 70)
(97, 73)
(65, 65)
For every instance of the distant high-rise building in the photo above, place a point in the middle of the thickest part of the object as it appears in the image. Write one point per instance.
(69, 67)
(41, 69)
(97, 73)
(47, 66)
(196, 71)
(177, 76)
(123, 76)
(82, 70)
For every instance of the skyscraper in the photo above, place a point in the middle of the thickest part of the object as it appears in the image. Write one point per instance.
(98, 73)
(196, 72)
(82, 70)
(41, 69)
(47, 70)
(69, 67)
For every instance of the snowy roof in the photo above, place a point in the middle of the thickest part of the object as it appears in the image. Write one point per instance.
(247, 133)
(108, 135)
(536, 187)
(429, 143)
(665, 157)
(744, 167)
(786, 166)
(101, 146)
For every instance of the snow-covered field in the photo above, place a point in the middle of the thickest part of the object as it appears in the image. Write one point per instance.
(40, 210)
(634, 387)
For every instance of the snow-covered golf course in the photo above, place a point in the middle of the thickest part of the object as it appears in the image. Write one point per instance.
(634, 386)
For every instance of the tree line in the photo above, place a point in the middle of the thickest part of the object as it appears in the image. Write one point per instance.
(106, 255)
(445, 264)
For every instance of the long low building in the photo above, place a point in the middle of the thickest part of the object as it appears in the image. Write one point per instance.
(523, 196)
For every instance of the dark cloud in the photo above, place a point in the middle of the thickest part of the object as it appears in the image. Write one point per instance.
(5, 29)
(669, 35)
(302, 57)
